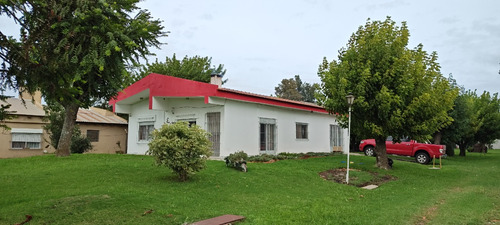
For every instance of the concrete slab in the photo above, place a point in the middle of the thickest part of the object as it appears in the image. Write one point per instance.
(370, 187)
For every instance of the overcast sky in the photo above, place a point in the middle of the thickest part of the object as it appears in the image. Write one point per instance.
(261, 42)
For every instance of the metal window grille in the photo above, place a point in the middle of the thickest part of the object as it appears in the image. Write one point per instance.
(301, 131)
(213, 127)
(335, 136)
(145, 130)
(26, 141)
(93, 135)
(267, 134)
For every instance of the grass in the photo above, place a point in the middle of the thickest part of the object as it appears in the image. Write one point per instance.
(120, 189)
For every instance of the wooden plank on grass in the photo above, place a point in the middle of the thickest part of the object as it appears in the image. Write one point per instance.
(220, 220)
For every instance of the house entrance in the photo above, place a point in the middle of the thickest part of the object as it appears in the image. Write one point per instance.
(213, 127)
(267, 136)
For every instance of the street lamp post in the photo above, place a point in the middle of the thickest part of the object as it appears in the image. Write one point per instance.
(350, 100)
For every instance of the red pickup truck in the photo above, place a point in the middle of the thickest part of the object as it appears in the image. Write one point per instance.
(423, 153)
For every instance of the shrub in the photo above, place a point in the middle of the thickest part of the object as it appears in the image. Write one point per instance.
(80, 143)
(286, 155)
(181, 148)
(261, 158)
(237, 160)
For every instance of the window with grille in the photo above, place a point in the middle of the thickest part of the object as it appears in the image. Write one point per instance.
(336, 137)
(145, 130)
(267, 135)
(26, 138)
(191, 122)
(301, 131)
(93, 135)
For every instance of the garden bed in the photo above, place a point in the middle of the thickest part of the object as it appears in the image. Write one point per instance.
(357, 178)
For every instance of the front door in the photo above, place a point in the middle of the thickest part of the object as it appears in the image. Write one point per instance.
(213, 127)
(267, 140)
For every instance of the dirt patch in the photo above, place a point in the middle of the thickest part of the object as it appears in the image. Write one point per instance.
(339, 176)
(430, 213)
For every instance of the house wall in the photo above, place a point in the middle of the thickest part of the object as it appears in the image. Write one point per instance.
(239, 124)
(23, 122)
(112, 138)
(496, 144)
(165, 110)
(242, 129)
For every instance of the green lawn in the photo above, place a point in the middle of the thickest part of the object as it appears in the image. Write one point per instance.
(119, 189)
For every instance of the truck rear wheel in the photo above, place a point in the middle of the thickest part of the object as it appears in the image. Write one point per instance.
(422, 157)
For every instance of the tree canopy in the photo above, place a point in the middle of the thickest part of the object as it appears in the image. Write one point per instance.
(399, 92)
(195, 68)
(4, 114)
(295, 89)
(75, 52)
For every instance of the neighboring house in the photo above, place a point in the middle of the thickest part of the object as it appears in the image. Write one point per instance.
(237, 121)
(107, 131)
(26, 136)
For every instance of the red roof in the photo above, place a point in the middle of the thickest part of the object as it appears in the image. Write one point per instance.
(167, 86)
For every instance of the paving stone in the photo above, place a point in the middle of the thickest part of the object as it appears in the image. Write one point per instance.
(370, 187)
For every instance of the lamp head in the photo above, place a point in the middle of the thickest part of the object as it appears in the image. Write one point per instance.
(350, 98)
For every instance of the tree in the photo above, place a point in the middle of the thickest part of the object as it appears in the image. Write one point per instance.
(399, 91)
(476, 120)
(75, 51)
(181, 148)
(295, 89)
(4, 114)
(55, 116)
(195, 68)
(459, 131)
(487, 113)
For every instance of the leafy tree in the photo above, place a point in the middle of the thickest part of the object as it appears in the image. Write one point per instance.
(399, 91)
(295, 89)
(476, 119)
(4, 114)
(459, 131)
(181, 148)
(487, 113)
(75, 51)
(55, 112)
(195, 68)
(288, 89)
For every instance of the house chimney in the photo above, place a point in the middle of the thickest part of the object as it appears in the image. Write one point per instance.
(216, 79)
(36, 97)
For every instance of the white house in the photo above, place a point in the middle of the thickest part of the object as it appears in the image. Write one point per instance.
(238, 121)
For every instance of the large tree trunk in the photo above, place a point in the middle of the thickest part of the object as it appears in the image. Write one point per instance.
(462, 148)
(437, 138)
(450, 149)
(381, 153)
(64, 144)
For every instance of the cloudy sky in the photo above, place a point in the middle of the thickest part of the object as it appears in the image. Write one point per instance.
(261, 42)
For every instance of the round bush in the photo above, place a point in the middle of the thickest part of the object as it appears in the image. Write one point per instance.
(181, 148)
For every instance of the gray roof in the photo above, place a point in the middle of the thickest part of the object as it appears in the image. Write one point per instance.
(96, 115)
(18, 108)
(92, 115)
